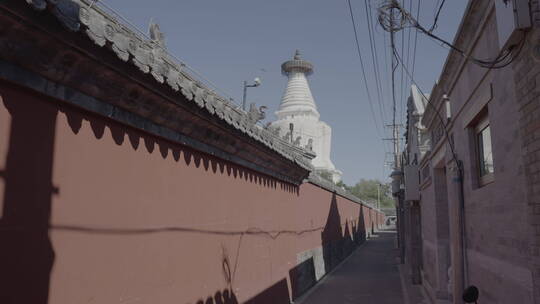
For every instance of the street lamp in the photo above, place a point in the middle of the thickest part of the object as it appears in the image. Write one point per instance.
(256, 83)
(379, 196)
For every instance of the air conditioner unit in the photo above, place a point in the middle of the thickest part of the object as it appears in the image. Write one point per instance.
(513, 17)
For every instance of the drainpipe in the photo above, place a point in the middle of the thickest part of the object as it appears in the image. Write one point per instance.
(463, 234)
(461, 281)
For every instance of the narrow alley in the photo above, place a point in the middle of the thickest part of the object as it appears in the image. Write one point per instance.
(369, 275)
(321, 152)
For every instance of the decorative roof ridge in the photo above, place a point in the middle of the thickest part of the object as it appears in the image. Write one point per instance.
(151, 58)
(316, 179)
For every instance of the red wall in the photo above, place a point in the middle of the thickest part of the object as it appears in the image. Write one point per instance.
(95, 212)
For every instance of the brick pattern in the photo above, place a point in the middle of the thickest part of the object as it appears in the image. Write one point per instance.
(526, 78)
(535, 9)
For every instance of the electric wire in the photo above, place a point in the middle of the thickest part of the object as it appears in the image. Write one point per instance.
(415, 39)
(374, 62)
(409, 39)
(434, 26)
(372, 28)
(386, 60)
(363, 69)
(392, 7)
(428, 101)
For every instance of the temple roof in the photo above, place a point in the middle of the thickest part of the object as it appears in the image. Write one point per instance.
(149, 55)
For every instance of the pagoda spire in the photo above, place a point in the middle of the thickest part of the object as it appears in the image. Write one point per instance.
(298, 118)
(297, 98)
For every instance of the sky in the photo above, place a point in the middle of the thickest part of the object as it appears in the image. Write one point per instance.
(230, 41)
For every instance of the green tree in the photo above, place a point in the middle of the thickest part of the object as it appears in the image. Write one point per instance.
(326, 175)
(343, 185)
(368, 190)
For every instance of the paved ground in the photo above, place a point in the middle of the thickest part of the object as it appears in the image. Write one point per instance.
(369, 275)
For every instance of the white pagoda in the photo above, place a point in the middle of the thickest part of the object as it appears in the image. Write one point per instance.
(298, 118)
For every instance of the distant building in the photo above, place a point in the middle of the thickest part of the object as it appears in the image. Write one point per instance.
(298, 114)
(417, 144)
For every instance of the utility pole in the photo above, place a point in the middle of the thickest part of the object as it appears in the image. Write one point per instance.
(393, 65)
(396, 174)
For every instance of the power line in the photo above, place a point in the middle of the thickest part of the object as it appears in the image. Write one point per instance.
(409, 46)
(415, 38)
(374, 61)
(434, 26)
(386, 56)
(362, 66)
(407, 84)
(405, 18)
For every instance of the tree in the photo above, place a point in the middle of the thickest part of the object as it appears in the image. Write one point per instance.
(326, 175)
(341, 184)
(368, 190)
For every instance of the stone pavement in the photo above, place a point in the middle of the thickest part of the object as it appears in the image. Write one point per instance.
(370, 275)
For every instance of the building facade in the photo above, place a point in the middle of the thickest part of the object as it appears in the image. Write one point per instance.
(474, 181)
(417, 144)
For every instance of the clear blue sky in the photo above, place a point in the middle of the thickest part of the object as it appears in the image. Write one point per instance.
(235, 40)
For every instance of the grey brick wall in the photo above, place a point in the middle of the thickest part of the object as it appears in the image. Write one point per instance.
(527, 80)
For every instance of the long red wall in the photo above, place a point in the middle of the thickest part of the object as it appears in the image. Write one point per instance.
(94, 212)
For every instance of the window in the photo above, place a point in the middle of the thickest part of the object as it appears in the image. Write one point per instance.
(484, 151)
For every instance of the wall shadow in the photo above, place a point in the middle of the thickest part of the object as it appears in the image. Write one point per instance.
(302, 277)
(137, 139)
(360, 233)
(278, 293)
(347, 243)
(225, 296)
(275, 294)
(26, 254)
(338, 242)
(332, 237)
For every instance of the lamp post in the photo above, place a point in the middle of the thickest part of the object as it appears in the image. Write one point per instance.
(379, 196)
(256, 83)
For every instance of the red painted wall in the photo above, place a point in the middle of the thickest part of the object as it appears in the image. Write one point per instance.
(96, 212)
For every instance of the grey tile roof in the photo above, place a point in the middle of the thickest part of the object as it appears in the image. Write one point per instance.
(149, 56)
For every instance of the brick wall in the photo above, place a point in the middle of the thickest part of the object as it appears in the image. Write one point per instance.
(92, 210)
(527, 81)
(496, 252)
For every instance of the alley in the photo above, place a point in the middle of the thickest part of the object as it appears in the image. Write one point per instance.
(369, 275)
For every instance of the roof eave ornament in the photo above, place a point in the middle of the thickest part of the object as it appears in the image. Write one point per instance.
(156, 35)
